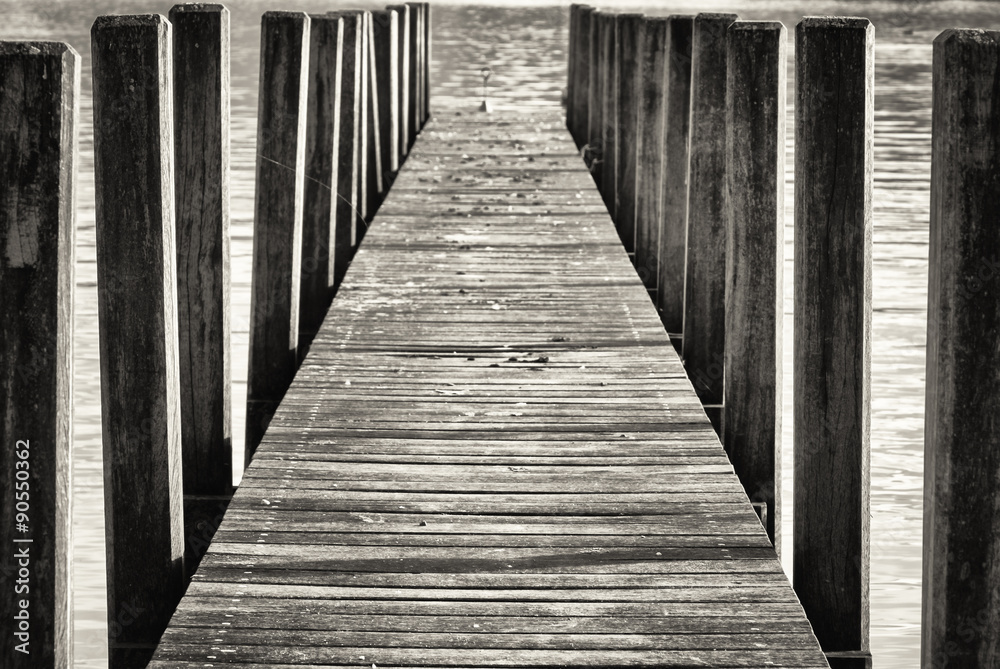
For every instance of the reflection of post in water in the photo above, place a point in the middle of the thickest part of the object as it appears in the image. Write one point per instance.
(485, 73)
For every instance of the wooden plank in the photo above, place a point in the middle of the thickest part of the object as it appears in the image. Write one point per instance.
(39, 120)
(133, 148)
(628, 117)
(650, 149)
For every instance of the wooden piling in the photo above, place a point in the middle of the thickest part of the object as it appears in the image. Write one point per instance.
(352, 162)
(384, 33)
(201, 197)
(674, 202)
(629, 26)
(413, 116)
(140, 389)
(595, 100)
(961, 567)
(755, 153)
(578, 96)
(610, 129)
(278, 209)
(705, 267)
(649, 148)
(319, 219)
(833, 228)
(427, 60)
(403, 77)
(373, 183)
(571, 58)
(39, 120)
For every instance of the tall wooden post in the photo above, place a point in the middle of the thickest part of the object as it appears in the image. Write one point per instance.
(609, 178)
(571, 58)
(352, 162)
(649, 149)
(961, 610)
(201, 196)
(674, 202)
(755, 146)
(413, 113)
(578, 98)
(705, 274)
(628, 117)
(833, 237)
(403, 76)
(384, 29)
(140, 388)
(39, 120)
(319, 219)
(374, 186)
(427, 60)
(278, 207)
(595, 99)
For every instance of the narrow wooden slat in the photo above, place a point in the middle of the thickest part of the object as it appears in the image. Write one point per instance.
(628, 116)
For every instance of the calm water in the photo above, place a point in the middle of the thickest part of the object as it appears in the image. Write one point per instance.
(524, 44)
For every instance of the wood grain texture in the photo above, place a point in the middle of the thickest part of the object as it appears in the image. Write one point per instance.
(628, 116)
(201, 196)
(594, 88)
(352, 161)
(580, 92)
(961, 613)
(676, 131)
(426, 9)
(403, 77)
(39, 121)
(705, 263)
(317, 282)
(140, 388)
(610, 127)
(416, 61)
(385, 27)
(491, 455)
(649, 148)
(571, 57)
(833, 233)
(374, 182)
(755, 153)
(278, 211)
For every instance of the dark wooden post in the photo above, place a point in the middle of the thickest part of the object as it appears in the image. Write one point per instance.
(595, 93)
(277, 249)
(571, 57)
(833, 237)
(961, 611)
(705, 273)
(674, 202)
(755, 146)
(319, 219)
(403, 77)
(628, 117)
(384, 29)
(427, 60)
(649, 150)
(578, 97)
(140, 388)
(374, 184)
(413, 112)
(352, 163)
(39, 118)
(201, 197)
(610, 130)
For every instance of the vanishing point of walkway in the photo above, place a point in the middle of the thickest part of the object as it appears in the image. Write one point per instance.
(491, 455)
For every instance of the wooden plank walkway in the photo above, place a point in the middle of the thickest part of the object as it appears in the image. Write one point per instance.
(491, 455)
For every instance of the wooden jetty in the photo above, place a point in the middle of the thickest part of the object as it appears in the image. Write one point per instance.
(491, 455)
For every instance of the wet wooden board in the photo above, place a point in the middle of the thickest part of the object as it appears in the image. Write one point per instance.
(491, 456)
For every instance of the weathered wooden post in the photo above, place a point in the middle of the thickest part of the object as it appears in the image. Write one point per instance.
(578, 97)
(353, 162)
(649, 148)
(674, 202)
(755, 151)
(833, 229)
(628, 116)
(319, 219)
(413, 113)
(278, 208)
(201, 197)
(140, 389)
(373, 184)
(39, 120)
(595, 101)
(427, 59)
(384, 29)
(403, 77)
(609, 152)
(705, 274)
(571, 57)
(961, 611)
